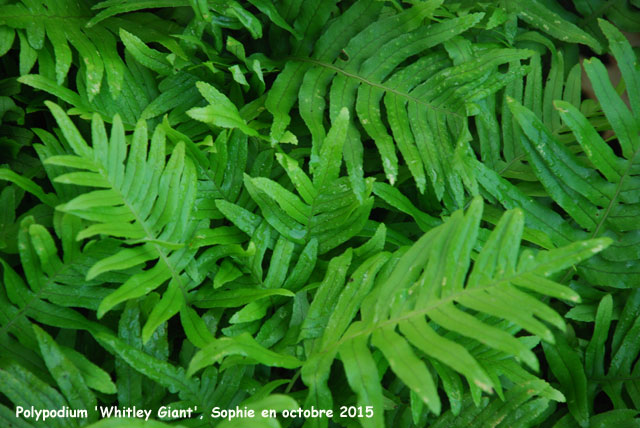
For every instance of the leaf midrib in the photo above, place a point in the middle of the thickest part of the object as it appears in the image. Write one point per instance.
(163, 256)
(380, 86)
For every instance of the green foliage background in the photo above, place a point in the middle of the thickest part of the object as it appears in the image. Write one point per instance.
(318, 203)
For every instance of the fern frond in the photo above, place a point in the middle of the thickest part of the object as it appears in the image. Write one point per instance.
(410, 210)
(328, 212)
(50, 34)
(145, 200)
(63, 24)
(429, 91)
(433, 295)
(600, 196)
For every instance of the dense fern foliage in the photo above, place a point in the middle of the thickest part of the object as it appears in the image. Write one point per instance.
(417, 213)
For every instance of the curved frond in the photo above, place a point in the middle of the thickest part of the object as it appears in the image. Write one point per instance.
(434, 301)
(143, 198)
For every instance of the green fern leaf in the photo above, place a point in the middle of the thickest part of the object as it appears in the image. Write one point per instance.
(604, 205)
(141, 213)
(433, 279)
(328, 210)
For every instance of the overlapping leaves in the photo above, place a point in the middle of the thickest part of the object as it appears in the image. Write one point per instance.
(294, 222)
(354, 64)
(596, 187)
